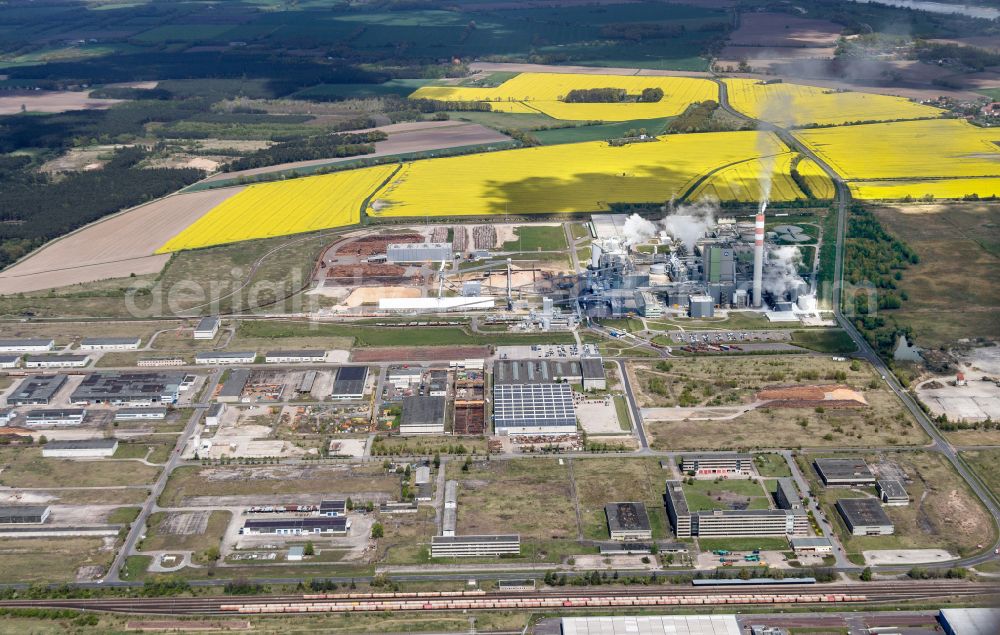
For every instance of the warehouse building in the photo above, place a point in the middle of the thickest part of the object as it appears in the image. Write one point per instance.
(334, 508)
(319, 525)
(449, 519)
(422, 415)
(651, 625)
(844, 472)
(221, 358)
(718, 464)
(294, 357)
(214, 414)
(23, 514)
(811, 546)
(56, 361)
(403, 378)
(970, 621)
(10, 361)
(538, 371)
(865, 517)
(592, 369)
(36, 390)
(475, 546)
(232, 388)
(59, 417)
(152, 413)
(787, 495)
(731, 522)
(628, 521)
(28, 345)
(129, 388)
(892, 492)
(110, 344)
(207, 328)
(350, 383)
(80, 449)
(533, 409)
(419, 252)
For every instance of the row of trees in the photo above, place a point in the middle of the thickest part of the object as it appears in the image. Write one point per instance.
(611, 96)
(318, 147)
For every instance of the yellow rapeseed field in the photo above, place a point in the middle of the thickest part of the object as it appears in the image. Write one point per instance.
(579, 177)
(542, 92)
(741, 181)
(818, 182)
(286, 207)
(797, 105)
(940, 188)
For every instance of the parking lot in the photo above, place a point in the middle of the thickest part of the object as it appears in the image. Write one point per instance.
(547, 351)
(714, 337)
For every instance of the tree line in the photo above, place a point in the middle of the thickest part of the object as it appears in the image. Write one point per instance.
(319, 147)
(611, 96)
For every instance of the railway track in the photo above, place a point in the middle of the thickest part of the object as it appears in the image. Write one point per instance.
(590, 597)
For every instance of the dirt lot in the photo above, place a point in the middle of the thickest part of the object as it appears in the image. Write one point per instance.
(764, 38)
(65, 333)
(207, 486)
(403, 138)
(98, 251)
(532, 497)
(717, 394)
(185, 531)
(419, 354)
(52, 559)
(27, 468)
(944, 514)
(603, 481)
(941, 283)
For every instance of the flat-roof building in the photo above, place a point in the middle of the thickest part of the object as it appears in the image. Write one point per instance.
(533, 409)
(110, 343)
(153, 362)
(10, 361)
(56, 361)
(718, 464)
(26, 345)
(350, 383)
(333, 508)
(405, 377)
(207, 329)
(139, 388)
(23, 514)
(475, 546)
(56, 417)
(449, 519)
(418, 252)
(297, 526)
(294, 357)
(537, 371)
(731, 522)
(151, 413)
(232, 388)
(628, 521)
(847, 471)
(810, 545)
(422, 475)
(36, 390)
(214, 414)
(652, 625)
(80, 448)
(787, 495)
(892, 492)
(865, 517)
(422, 415)
(594, 377)
(971, 621)
(221, 358)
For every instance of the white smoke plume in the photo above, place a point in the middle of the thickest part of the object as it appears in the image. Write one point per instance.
(776, 108)
(688, 223)
(781, 274)
(638, 230)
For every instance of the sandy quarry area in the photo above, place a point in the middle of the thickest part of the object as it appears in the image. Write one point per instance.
(52, 101)
(420, 136)
(811, 393)
(371, 295)
(112, 248)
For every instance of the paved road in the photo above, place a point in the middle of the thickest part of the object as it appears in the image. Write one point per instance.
(939, 443)
(813, 506)
(633, 408)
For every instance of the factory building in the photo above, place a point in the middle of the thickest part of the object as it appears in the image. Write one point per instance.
(63, 417)
(628, 521)
(651, 625)
(110, 344)
(848, 472)
(418, 252)
(865, 517)
(80, 449)
(232, 388)
(334, 508)
(533, 409)
(475, 546)
(701, 306)
(295, 357)
(718, 464)
(56, 361)
(10, 361)
(811, 546)
(221, 358)
(787, 495)
(745, 522)
(449, 519)
(403, 378)
(892, 492)
(28, 345)
(141, 414)
(129, 388)
(350, 383)
(24, 514)
(320, 525)
(208, 328)
(36, 390)
(214, 414)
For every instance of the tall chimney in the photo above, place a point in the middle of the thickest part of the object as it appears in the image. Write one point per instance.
(758, 258)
